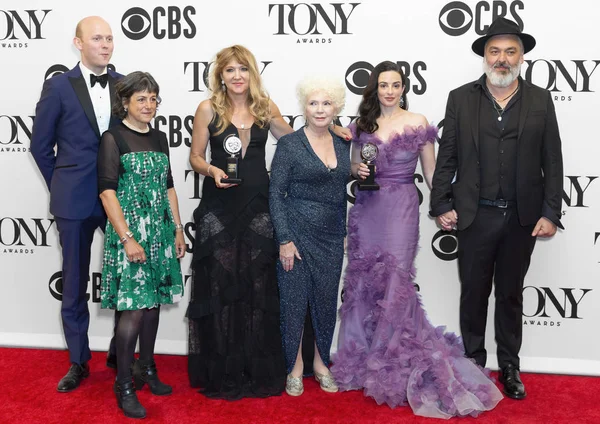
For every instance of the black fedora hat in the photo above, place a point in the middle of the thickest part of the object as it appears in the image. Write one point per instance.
(503, 26)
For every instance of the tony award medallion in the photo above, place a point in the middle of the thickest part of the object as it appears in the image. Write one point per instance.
(369, 152)
(233, 146)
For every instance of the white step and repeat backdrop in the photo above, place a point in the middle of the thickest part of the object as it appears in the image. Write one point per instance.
(177, 40)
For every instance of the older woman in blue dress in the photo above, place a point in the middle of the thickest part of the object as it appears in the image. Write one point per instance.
(307, 198)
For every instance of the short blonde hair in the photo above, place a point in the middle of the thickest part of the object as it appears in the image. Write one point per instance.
(331, 86)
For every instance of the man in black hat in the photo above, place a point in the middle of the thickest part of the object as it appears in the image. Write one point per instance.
(501, 145)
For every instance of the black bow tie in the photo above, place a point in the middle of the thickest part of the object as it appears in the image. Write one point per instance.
(102, 80)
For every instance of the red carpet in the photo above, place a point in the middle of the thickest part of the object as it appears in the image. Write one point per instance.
(28, 379)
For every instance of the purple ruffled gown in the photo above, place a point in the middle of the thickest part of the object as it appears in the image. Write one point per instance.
(387, 346)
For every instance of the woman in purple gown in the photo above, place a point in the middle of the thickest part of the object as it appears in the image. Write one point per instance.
(387, 346)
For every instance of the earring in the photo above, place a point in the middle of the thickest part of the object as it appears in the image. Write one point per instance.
(223, 87)
(402, 102)
(125, 109)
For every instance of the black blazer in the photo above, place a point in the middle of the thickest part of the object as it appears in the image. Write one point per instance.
(539, 158)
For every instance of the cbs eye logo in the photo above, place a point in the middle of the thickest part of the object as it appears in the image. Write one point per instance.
(455, 18)
(55, 70)
(171, 22)
(357, 76)
(351, 188)
(136, 23)
(445, 245)
(55, 285)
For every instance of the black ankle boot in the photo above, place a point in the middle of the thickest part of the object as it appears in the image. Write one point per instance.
(127, 399)
(146, 373)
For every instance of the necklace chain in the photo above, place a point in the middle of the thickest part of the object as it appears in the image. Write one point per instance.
(496, 103)
(498, 110)
(507, 97)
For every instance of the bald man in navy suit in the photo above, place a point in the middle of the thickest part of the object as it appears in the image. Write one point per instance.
(73, 111)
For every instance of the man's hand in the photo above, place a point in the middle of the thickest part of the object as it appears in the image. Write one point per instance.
(544, 228)
(448, 220)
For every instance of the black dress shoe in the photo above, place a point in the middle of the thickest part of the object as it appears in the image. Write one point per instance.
(146, 373)
(111, 361)
(513, 386)
(127, 400)
(73, 378)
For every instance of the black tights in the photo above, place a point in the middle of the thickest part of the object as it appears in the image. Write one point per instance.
(142, 323)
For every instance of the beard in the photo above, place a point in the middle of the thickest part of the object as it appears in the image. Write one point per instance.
(500, 79)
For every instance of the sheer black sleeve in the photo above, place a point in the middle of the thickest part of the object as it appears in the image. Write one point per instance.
(109, 160)
(164, 146)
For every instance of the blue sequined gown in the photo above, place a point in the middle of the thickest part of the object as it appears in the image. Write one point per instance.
(308, 207)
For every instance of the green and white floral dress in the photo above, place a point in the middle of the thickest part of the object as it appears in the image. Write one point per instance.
(136, 165)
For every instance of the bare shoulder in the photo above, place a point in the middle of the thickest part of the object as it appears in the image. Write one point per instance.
(205, 111)
(416, 119)
(205, 107)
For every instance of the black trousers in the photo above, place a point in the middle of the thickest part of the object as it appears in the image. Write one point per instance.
(495, 247)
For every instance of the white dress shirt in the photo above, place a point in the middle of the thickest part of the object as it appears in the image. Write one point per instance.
(100, 99)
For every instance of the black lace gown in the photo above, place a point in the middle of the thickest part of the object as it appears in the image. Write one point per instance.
(234, 336)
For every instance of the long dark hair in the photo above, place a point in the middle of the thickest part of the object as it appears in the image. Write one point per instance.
(134, 82)
(369, 109)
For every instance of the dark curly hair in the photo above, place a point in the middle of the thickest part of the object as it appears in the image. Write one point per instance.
(369, 109)
(130, 84)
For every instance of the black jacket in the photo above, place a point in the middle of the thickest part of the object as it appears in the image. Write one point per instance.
(539, 158)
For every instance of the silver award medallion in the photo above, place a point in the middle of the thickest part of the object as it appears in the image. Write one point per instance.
(232, 145)
(369, 153)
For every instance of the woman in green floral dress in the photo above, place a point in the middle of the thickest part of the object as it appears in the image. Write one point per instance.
(144, 236)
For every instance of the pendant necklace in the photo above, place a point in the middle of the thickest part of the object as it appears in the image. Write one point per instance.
(498, 110)
(496, 103)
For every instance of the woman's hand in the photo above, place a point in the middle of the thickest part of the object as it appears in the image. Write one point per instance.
(180, 245)
(135, 252)
(363, 171)
(448, 220)
(287, 254)
(220, 177)
(342, 132)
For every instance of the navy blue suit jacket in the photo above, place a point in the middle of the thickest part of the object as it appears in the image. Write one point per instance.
(65, 119)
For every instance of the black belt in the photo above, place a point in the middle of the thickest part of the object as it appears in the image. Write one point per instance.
(498, 203)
